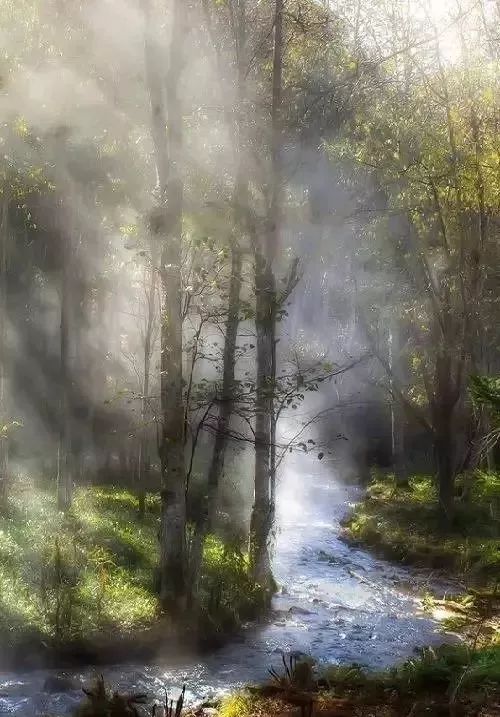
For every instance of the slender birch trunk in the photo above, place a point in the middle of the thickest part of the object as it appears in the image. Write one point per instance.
(167, 134)
(143, 459)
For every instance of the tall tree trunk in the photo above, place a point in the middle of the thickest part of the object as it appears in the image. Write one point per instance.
(226, 403)
(167, 225)
(275, 218)
(99, 451)
(80, 438)
(398, 442)
(143, 461)
(397, 412)
(240, 200)
(261, 519)
(64, 457)
(265, 321)
(447, 392)
(443, 447)
(4, 446)
(227, 397)
(173, 491)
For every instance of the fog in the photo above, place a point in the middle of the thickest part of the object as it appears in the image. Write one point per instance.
(247, 263)
(75, 103)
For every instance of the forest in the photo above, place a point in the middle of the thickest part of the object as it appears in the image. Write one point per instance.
(250, 356)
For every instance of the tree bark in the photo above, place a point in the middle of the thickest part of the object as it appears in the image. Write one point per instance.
(64, 456)
(265, 321)
(143, 462)
(261, 519)
(226, 403)
(446, 395)
(443, 447)
(167, 226)
(397, 412)
(4, 446)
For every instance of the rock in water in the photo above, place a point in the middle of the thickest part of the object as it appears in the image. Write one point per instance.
(298, 610)
(59, 683)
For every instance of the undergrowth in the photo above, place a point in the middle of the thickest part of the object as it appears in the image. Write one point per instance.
(403, 523)
(433, 671)
(228, 594)
(434, 682)
(67, 578)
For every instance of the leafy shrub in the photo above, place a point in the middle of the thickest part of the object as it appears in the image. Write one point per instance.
(228, 595)
(443, 667)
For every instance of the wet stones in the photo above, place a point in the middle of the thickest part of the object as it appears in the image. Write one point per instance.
(59, 684)
(298, 610)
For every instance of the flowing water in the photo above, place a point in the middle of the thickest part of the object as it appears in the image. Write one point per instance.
(336, 603)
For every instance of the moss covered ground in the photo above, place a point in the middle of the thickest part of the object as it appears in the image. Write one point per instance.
(403, 523)
(88, 576)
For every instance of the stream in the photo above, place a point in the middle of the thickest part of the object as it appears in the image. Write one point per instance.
(336, 603)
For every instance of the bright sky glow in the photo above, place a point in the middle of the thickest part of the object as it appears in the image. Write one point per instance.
(391, 25)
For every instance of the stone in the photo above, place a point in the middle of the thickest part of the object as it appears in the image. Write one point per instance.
(297, 610)
(59, 683)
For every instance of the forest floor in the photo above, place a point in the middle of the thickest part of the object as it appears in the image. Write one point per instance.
(416, 689)
(403, 523)
(80, 587)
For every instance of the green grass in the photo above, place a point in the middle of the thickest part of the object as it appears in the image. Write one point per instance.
(239, 704)
(91, 572)
(437, 671)
(441, 669)
(403, 523)
(228, 595)
(66, 577)
(434, 679)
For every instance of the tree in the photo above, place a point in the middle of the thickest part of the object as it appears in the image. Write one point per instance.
(143, 458)
(239, 212)
(425, 164)
(167, 230)
(64, 453)
(4, 428)
(265, 324)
